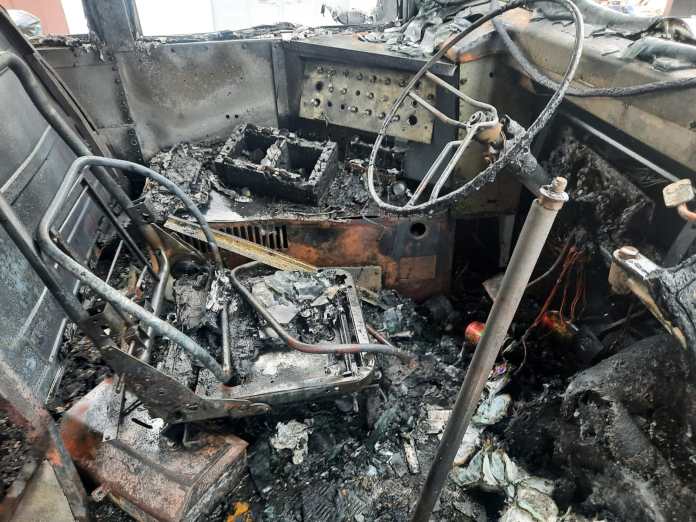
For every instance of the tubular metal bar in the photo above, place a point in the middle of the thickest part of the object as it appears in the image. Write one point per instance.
(435, 112)
(529, 245)
(116, 298)
(157, 299)
(122, 232)
(55, 119)
(431, 172)
(114, 260)
(455, 159)
(471, 101)
(295, 344)
(621, 148)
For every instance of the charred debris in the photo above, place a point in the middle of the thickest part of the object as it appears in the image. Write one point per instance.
(299, 324)
(584, 417)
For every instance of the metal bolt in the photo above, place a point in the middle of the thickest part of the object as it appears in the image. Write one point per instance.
(371, 95)
(368, 112)
(344, 90)
(559, 184)
(627, 252)
(353, 108)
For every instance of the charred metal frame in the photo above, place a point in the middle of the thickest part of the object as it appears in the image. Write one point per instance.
(42, 431)
(48, 240)
(270, 175)
(166, 397)
(296, 344)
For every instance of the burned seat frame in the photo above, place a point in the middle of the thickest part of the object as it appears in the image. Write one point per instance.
(163, 395)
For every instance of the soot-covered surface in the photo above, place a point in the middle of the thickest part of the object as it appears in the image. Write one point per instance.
(192, 167)
(589, 412)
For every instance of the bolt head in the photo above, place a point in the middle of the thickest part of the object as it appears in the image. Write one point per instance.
(559, 184)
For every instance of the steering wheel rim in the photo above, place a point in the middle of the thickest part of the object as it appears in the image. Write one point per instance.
(512, 148)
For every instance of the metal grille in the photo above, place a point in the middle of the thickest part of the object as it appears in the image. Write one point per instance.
(274, 237)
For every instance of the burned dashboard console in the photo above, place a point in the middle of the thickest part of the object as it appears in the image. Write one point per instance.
(271, 162)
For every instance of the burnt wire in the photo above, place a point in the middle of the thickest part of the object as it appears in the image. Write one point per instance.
(542, 79)
(555, 264)
(573, 259)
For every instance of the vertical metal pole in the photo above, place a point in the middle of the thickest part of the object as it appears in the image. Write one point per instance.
(529, 245)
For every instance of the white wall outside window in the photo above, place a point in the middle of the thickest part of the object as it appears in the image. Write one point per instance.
(169, 17)
(75, 16)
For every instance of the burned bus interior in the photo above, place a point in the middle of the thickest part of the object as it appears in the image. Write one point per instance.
(434, 261)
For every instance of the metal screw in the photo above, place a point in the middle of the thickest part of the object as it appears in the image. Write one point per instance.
(344, 90)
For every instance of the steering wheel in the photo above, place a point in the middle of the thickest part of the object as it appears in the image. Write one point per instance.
(484, 125)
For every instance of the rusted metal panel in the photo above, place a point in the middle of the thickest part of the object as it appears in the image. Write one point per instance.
(426, 244)
(141, 470)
